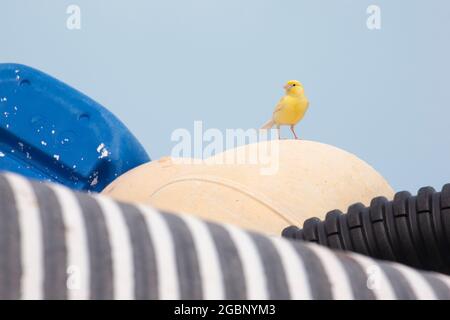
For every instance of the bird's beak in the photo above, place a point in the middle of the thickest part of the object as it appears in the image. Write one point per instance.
(286, 86)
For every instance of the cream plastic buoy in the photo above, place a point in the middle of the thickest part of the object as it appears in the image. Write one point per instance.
(264, 187)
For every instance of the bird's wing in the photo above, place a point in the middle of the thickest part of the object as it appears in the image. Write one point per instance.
(279, 106)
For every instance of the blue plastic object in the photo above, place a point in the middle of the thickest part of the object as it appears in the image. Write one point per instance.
(50, 131)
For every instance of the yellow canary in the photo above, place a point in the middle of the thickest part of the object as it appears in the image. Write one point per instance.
(291, 108)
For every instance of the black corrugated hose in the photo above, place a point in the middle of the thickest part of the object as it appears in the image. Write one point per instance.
(414, 230)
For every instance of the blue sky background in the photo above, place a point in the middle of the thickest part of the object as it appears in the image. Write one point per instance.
(159, 65)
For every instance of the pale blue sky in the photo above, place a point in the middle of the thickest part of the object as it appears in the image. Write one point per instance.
(159, 65)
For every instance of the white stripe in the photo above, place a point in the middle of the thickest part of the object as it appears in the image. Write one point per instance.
(419, 285)
(255, 278)
(294, 268)
(381, 286)
(32, 255)
(337, 276)
(165, 254)
(78, 272)
(445, 279)
(211, 275)
(121, 249)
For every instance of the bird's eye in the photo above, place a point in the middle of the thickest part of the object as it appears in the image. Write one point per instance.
(293, 85)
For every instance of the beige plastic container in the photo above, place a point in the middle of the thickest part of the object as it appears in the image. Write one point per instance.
(267, 187)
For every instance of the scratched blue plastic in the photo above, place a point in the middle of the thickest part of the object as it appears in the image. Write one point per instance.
(51, 132)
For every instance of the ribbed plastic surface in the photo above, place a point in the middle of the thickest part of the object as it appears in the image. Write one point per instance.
(414, 230)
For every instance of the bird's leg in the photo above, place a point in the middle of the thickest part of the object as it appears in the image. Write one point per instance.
(279, 132)
(293, 131)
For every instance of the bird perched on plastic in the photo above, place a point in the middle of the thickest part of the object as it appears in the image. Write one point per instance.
(290, 109)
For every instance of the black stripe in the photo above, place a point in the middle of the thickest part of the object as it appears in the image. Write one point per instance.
(189, 278)
(144, 258)
(230, 263)
(400, 284)
(54, 243)
(318, 278)
(273, 268)
(358, 277)
(440, 289)
(10, 254)
(101, 268)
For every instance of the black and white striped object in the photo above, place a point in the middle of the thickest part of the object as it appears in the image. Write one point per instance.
(59, 244)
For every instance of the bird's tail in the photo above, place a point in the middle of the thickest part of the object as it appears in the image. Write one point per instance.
(269, 124)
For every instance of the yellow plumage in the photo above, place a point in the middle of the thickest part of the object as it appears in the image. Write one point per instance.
(291, 108)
